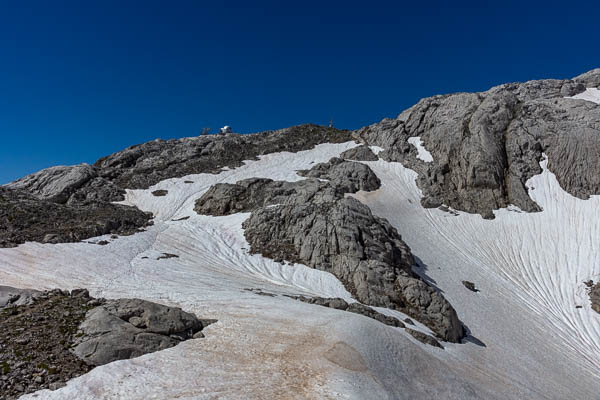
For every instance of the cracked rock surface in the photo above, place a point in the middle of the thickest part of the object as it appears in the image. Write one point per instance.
(128, 328)
(359, 153)
(50, 337)
(313, 223)
(72, 203)
(25, 217)
(486, 145)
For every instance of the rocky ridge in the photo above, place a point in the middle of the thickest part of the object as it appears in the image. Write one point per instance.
(312, 222)
(486, 145)
(72, 203)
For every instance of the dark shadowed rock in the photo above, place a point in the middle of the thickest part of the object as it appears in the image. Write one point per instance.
(470, 286)
(24, 217)
(160, 193)
(359, 153)
(424, 338)
(357, 308)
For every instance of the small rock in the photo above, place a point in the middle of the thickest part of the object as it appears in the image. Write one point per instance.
(103, 242)
(198, 335)
(424, 338)
(470, 286)
(80, 293)
(160, 193)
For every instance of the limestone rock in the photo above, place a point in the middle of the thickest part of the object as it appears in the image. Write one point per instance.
(128, 328)
(311, 222)
(347, 176)
(360, 153)
(486, 145)
(55, 184)
(24, 217)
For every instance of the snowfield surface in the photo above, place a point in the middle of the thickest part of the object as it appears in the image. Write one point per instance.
(590, 94)
(529, 341)
(422, 152)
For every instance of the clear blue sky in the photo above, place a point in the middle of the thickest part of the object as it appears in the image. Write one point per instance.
(83, 79)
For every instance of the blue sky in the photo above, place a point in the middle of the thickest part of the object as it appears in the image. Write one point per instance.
(80, 80)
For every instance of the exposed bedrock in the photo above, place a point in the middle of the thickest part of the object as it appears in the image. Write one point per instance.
(347, 176)
(311, 222)
(486, 145)
(359, 153)
(50, 337)
(594, 293)
(128, 328)
(142, 166)
(24, 218)
(71, 203)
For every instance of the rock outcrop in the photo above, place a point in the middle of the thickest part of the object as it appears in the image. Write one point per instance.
(347, 176)
(25, 218)
(142, 166)
(486, 145)
(594, 293)
(356, 308)
(72, 203)
(50, 337)
(128, 328)
(359, 153)
(313, 223)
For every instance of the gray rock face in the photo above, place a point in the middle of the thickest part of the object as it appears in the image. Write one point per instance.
(24, 217)
(310, 222)
(55, 184)
(128, 328)
(360, 153)
(486, 145)
(424, 338)
(142, 166)
(251, 194)
(357, 308)
(10, 296)
(347, 176)
(254, 193)
(84, 193)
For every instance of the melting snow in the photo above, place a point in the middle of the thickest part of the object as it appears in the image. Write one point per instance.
(528, 338)
(590, 94)
(422, 152)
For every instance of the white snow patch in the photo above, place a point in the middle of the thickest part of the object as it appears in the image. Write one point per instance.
(528, 339)
(590, 94)
(529, 268)
(376, 149)
(422, 152)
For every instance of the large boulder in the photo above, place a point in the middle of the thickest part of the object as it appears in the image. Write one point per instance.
(127, 328)
(359, 153)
